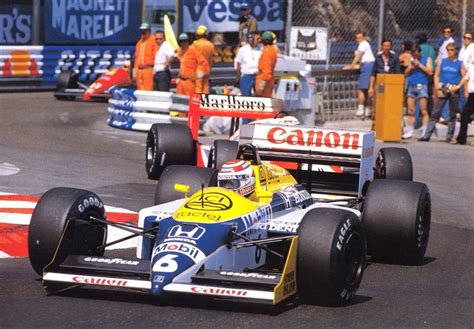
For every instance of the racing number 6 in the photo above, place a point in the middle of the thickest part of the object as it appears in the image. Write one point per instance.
(166, 264)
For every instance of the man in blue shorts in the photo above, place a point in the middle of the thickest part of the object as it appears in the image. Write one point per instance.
(365, 57)
(417, 75)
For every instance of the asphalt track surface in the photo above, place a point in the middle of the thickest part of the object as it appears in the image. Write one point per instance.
(56, 143)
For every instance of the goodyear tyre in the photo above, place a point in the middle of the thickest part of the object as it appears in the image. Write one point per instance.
(222, 151)
(394, 163)
(195, 177)
(397, 219)
(331, 256)
(168, 144)
(58, 208)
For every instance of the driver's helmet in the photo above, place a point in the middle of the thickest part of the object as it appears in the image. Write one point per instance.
(238, 176)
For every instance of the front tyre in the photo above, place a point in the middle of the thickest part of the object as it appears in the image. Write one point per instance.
(331, 256)
(54, 210)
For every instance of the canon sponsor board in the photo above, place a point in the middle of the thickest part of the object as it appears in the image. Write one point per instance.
(15, 24)
(92, 21)
(223, 15)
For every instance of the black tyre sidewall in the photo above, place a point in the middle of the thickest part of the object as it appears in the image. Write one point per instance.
(394, 163)
(397, 219)
(195, 177)
(49, 219)
(223, 151)
(168, 144)
(324, 236)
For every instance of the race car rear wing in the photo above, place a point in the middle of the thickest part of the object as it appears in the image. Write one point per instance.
(327, 161)
(230, 106)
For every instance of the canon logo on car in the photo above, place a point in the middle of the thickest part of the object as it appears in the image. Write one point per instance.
(235, 103)
(313, 137)
(219, 291)
(100, 281)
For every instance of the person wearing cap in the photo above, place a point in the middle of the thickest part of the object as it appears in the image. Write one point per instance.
(248, 24)
(206, 48)
(193, 66)
(145, 51)
(163, 59)
(247, 64)
(266, 66)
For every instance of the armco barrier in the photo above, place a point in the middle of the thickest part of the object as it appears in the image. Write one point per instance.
(138, 110)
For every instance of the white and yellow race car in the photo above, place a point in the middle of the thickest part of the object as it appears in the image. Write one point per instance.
(251, 229)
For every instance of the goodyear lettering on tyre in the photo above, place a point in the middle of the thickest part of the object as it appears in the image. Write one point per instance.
(86, 203)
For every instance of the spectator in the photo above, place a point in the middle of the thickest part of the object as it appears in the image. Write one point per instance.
(365, 57)
(206, 48)
(248, 24)
(405, 55)
(447, 82)
(468, 109)
(265, 80)
(145, 51)
(385, 62)
(163, 59)
(442, 52)
(247, 64)
(192, 66)
(466, 55)
(427, 50)
(417, 76)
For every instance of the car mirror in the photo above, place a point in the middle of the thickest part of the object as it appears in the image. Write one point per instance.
(182, 188)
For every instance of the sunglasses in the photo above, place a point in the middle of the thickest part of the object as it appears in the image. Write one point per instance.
(467, 38)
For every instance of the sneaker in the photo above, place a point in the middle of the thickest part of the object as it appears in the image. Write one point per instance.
(368, 112)
(360, 112)
(423, 139)
(443, 121)
(408, 134)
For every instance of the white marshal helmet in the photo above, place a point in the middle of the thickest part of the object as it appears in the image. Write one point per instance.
(238, 176)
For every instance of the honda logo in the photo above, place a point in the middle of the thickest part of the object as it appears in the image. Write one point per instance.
(194, 232)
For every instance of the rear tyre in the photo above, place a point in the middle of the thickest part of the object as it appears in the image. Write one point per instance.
(66, 79)
(222, 151)
(54, 210)
(168, 144)
(195, 177)
(397, 219)
(331, 256)
(394, 163)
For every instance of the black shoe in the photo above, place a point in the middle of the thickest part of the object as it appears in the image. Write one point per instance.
(424, 139)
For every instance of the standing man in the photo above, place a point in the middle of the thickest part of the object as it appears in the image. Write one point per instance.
(386, 61)
(428, 51)
(247, 64)
(417, 78)
(248, 24)
(447, 38)
(192, 66)
(266, 65)
(468, 109)
(466, 53)
(206, 48)
(145, 52)
(365, 57)
(163, 59)
(447, 82)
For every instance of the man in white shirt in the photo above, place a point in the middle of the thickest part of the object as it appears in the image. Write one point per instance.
(365, 57)
(442, 52)
(468, 109)
(163, 59)
(466, 53)
(247, 64)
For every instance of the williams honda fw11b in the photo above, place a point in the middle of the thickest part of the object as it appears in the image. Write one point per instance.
(249, 230)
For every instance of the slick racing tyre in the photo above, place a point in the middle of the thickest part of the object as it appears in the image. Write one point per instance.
(58, 208)
(397, 218)
(168, 144)
(66, 79)
(394, 163)
(195, 177)
(222, 151)
(331, 256)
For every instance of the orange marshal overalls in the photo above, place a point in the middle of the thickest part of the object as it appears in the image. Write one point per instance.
(266, 66)
(206, 48)
(145, 52)
(192, 64)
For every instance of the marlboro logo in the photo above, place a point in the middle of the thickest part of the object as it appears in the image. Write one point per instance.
(235, 103)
